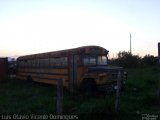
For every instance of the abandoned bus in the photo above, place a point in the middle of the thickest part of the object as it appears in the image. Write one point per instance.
(83, 67)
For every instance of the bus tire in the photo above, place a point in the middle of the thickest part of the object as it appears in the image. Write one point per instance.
(89, 86)
(29, 78)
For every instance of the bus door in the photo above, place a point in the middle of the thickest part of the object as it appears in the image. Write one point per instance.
(73, 72)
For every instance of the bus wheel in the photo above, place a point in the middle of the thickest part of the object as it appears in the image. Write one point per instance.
(29, 78)
(89, 86)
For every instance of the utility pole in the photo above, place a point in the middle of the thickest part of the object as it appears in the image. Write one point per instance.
(130, 44)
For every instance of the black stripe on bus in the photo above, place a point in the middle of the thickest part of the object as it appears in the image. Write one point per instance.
(53, 67)
(40, 77)
(44, 73)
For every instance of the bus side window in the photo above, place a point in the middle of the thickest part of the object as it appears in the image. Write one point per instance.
(20, 64)
(40, 63)
(46, 63)
(43, 63)
(51, 62)
(64, 61)
(36, 63)
(29, 63)
(58, 62)
(25, 63)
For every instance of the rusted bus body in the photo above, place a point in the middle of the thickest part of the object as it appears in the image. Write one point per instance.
(43, 75)
(74, 66)
(3, 67)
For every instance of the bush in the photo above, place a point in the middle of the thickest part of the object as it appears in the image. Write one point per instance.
(152, 100)
(128, 60)
(149, 60)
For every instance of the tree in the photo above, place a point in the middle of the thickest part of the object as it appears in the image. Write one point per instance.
(126, 59)
(149, 60)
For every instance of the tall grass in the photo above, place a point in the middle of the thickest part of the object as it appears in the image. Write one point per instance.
(141, 96)
(142, 88)
(26, 97)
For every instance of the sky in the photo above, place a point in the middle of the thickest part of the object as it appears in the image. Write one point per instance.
(37, 26)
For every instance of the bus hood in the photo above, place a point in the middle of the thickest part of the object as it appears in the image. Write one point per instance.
(101, 69)
(110, 81)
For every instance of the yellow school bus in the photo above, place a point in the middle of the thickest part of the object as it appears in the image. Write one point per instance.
(80, 68)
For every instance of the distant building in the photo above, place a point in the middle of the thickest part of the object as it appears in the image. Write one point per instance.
(3, 67)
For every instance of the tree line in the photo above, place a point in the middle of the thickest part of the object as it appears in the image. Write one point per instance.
(128, 60)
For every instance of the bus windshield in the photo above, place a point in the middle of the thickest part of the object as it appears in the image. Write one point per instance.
(99, 60)
(102, 60)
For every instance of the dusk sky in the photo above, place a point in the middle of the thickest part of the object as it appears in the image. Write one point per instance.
(36, 26)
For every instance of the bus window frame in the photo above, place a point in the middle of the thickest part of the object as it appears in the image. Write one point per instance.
(96, 57)
(60, 64)
(106, 60)
(88, 56)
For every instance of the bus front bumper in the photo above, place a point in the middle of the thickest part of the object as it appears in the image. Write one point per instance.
(107, 88)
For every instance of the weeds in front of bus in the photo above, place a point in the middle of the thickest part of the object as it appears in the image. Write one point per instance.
(141, 95)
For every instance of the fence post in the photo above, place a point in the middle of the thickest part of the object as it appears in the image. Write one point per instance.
(60, 96)
(118, 92)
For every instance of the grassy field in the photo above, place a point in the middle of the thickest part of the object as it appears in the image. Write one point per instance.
(141, 96)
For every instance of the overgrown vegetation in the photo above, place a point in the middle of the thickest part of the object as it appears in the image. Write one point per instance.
(141, 96)
(23, 97)
(128, 60)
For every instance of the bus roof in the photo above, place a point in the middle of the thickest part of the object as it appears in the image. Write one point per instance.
(60, 53)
